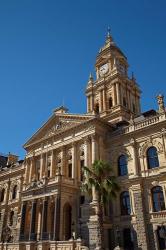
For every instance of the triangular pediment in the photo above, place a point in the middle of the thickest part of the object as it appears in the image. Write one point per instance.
(55, 125)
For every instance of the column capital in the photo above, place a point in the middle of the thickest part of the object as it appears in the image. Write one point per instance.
(74, 144)
(86, 139)
(132, 142)
(94, 137)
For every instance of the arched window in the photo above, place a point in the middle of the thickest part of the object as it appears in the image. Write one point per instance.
(14, 192)
(110, 102)
(2, 195)
(152, 158)
(125, 203)
(122, 165)
(11, 218)
(158, 199)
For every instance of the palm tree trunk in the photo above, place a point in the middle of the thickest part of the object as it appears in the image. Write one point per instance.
(100, 243)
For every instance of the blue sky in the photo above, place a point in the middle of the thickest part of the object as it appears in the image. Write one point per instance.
(48, 48)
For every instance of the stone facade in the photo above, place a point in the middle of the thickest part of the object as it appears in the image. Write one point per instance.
(43, 207)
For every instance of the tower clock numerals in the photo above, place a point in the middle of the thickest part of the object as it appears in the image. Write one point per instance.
(103, 69)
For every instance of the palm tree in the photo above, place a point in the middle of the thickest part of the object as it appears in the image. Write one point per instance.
(100, 178)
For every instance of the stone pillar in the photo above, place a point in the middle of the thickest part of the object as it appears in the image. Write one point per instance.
(57, 218)
(32, 235)
(26, 171)
(94, 149)
(31, 170)
(100, 101)
(118, 93)
(140, 224)
(92, 102)
(114, 97)
(104, 101)
(86, 149)
(94, 157)
(88, 104)
(52, 164)
(63, 162)
(23, 216)
(74, 161)
(134, 156)
(41, 166)
(44, 220)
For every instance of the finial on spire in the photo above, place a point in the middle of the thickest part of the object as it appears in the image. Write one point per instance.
(109, 38)
(132, 76)
(108, 31)
(90, 76)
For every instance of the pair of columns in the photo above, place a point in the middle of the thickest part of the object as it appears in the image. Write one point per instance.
(43, 230)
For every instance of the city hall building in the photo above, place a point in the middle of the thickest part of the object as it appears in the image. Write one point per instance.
(41, 203)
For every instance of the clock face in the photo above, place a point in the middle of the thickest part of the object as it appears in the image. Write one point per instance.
(103, 69)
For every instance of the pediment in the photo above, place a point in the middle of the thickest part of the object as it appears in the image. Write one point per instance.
(55, 125)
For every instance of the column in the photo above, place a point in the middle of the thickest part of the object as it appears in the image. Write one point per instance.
(74, 161)
(41, 166)
(57, 218)
(33, 221)
(134, 156)
(63, 161)
(31, 170)
(87, 104)
(94, 157)
(121, 94)
(44, 220)
(86, 148)
(23, 216)
(94, 149)
(104, 101)
(92, 103)
(114, 95)
(118, 93)
(100, 101)
(52, 167)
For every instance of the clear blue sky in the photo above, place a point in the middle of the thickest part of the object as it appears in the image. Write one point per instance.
(48, 48)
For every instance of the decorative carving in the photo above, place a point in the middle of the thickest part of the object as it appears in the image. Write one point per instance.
(155, 183)
(7, 234)
(61, 125)
(36, 184)
(148, 144)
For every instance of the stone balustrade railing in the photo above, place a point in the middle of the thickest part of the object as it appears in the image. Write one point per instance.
(57, 245)
(141, 124)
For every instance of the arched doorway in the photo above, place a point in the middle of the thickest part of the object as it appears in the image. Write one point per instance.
(67, 218)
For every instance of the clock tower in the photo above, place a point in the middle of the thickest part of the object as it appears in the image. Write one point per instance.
(112, 95)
